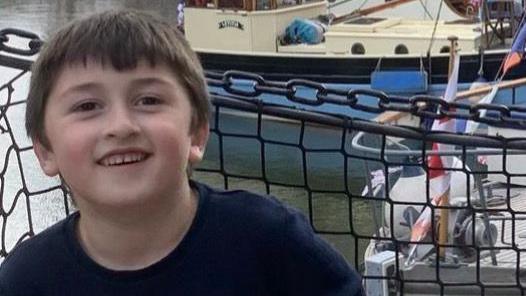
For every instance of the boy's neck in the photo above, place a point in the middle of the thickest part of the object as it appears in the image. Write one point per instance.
(132, 241)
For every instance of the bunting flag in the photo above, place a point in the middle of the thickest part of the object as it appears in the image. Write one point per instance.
(471, 125)
(378, 179)
(439, 179)
(476, 4)
(514, 57)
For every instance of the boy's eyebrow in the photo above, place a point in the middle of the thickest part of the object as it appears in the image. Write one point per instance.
(81, 87)
(136, 83)
(151, 80)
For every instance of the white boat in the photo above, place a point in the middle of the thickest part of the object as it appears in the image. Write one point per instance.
(245, 36)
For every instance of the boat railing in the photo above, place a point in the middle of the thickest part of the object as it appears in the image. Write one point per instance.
(344, 170)
(246, 5)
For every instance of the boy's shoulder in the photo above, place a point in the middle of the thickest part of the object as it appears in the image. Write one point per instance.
(285, 236)
(32, 257)
(252, 217)
(244, 215)
(244, 204)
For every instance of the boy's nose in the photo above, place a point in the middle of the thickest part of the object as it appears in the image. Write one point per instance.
(121, 124)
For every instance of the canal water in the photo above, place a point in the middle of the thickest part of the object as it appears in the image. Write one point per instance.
(242, 155)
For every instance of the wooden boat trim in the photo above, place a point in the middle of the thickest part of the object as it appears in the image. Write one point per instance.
(393, 116)
(486, 89)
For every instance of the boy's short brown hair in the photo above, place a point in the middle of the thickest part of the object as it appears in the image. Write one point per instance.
(121, 39)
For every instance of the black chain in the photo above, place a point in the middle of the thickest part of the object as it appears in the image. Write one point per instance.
(33, 45)
(373, 101)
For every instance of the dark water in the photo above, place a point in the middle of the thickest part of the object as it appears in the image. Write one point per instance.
(43, 17)
(283, 164)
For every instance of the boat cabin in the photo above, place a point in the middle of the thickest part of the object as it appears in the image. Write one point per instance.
(244, 25)
(257, 27)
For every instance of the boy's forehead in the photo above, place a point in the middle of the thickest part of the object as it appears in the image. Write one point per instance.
(91, 64)
(111, 61)
(104, 63)
(81, 75)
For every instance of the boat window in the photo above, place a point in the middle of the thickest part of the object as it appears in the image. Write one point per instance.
(248, 5)
(401, 49)
(357, 48)
(286, 3)
(233, 4)
(223, 4)
(444, 49)
(199, 3)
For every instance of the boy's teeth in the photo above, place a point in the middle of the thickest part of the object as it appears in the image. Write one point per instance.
(119, 159)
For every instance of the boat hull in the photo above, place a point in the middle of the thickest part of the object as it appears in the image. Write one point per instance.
(352, 69)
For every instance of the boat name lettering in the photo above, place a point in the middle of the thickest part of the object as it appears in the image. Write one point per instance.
(231, 24)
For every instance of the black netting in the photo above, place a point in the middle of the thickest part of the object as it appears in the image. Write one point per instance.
(362, 184)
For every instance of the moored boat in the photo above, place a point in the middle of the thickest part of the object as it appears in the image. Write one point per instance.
(245, 35)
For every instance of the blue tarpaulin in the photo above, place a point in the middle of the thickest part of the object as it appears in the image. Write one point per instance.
(304, 31)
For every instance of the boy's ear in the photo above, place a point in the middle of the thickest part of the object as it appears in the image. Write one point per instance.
(46, 158)
(199, 140)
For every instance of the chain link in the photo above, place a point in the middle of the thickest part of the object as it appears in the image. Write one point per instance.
(357, 96)
(373, 101)
(516, 113)
(317, 88)
(33, 45)
(500, 112)
(252, 79)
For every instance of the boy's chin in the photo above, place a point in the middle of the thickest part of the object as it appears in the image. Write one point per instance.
(117, 201)
(130, 200)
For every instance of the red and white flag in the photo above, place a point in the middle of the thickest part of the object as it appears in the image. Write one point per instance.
(439, 179)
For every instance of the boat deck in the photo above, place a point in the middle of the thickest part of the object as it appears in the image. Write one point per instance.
(511, 243)
(481, 277)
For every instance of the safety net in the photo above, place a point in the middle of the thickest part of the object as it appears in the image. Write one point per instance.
(417, 206)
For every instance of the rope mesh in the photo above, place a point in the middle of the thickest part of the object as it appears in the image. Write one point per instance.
(345, 173)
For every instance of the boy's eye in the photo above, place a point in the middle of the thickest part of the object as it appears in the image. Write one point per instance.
(86, 106)
(149, 100)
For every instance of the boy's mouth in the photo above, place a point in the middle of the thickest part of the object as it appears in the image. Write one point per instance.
(123, 158)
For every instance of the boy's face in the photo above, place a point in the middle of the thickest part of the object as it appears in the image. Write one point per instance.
(120, 138)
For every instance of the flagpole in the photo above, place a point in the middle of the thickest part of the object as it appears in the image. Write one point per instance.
(452, 49)
(444, 213)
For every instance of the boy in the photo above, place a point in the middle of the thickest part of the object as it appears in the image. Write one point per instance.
(118, 108)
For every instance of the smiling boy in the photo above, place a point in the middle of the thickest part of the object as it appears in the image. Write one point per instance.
(118, 108)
